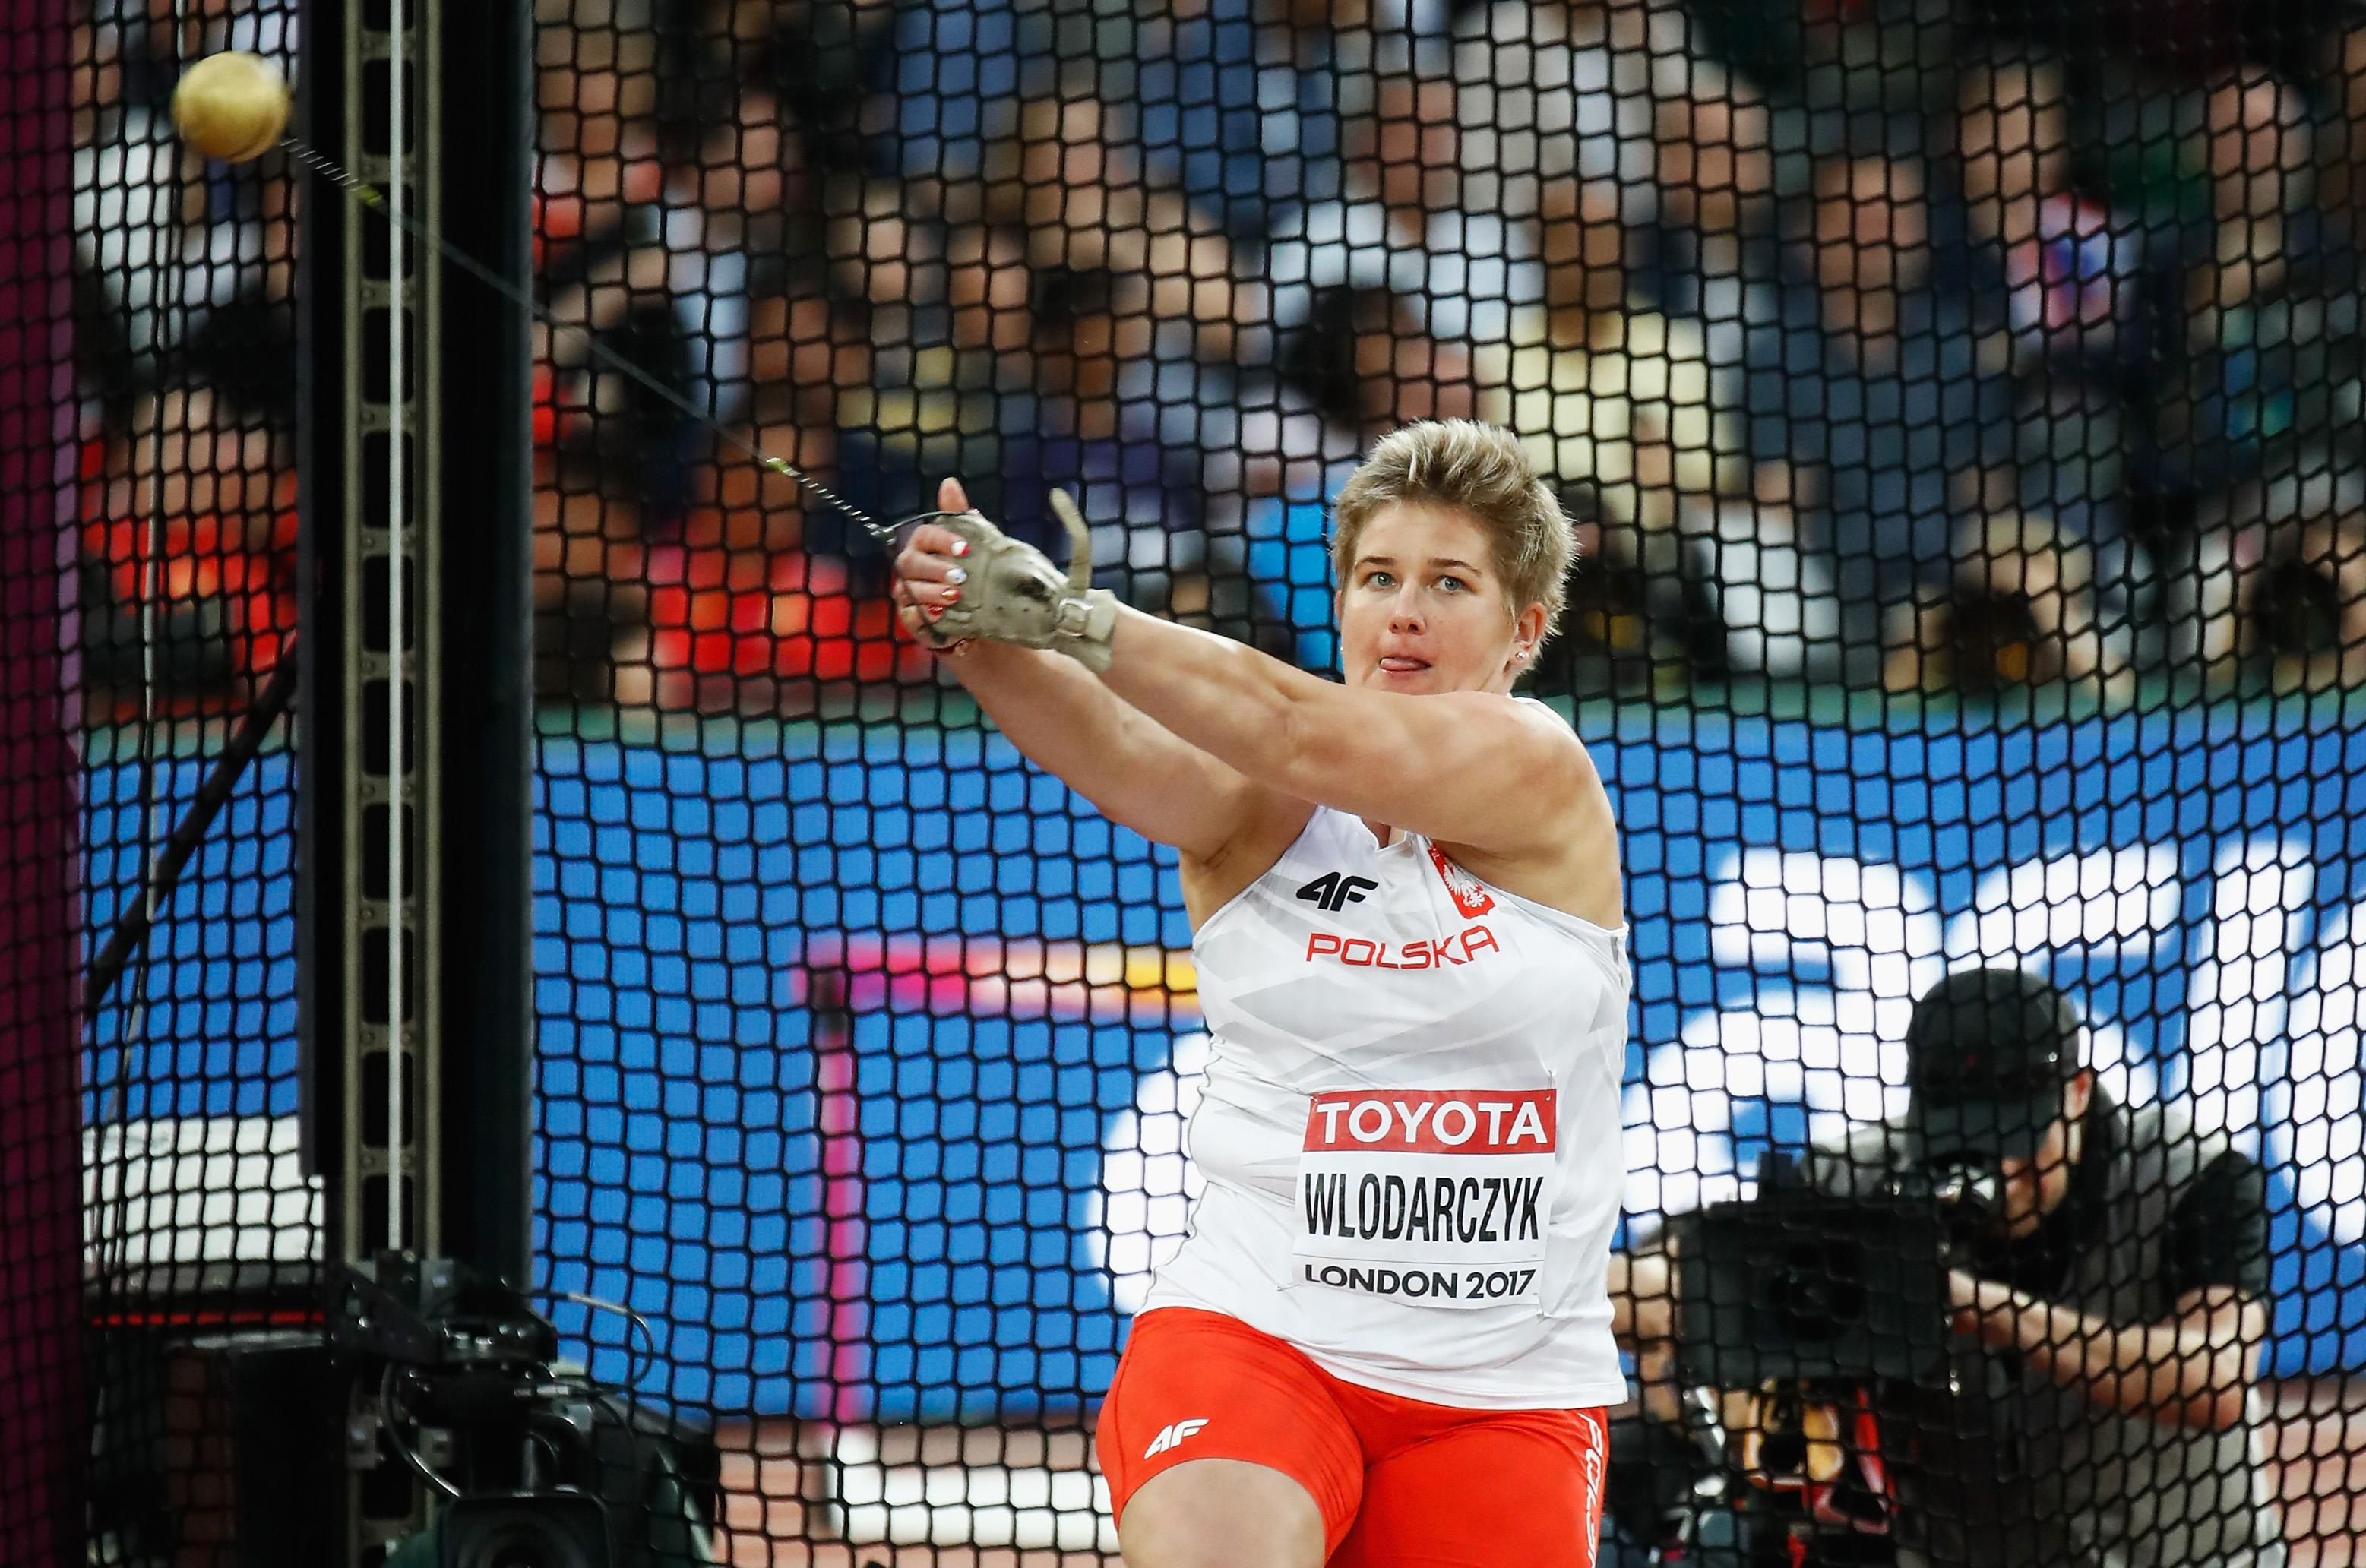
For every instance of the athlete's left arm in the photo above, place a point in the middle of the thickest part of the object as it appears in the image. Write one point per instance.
(1466, 768)
(2195, 1370)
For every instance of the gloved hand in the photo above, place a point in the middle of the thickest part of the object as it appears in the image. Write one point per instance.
(1005, 590)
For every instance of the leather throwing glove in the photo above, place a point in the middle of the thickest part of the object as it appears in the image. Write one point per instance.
(1015, 594)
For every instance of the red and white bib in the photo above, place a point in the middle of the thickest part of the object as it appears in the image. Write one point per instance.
(1428, 1195)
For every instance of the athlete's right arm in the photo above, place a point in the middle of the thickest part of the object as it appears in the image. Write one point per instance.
(1138, 772)
(1065, 721)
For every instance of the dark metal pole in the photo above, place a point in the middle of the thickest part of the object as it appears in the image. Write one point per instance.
(483, 560)
(463, 925)
(416, 878)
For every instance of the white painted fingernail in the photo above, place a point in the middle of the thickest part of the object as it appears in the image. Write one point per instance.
(956, 574)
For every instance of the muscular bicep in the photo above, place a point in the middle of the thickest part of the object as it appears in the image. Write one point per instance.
(1468, 768)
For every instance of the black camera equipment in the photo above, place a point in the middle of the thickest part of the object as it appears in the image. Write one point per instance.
(1831, 1311)
(1796, 1284)
(539, 1468)
(1968, 1186)
(1667, 1480)
(1799, 1283)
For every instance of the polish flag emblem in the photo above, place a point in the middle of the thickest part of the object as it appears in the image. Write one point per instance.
(1470, 896)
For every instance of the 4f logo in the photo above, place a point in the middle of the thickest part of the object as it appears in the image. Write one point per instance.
(1332, 892)
(1172, 1437)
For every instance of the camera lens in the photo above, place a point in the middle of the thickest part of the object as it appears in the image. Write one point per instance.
(1819, 1292)
(1967, 1185)
(528, 1540)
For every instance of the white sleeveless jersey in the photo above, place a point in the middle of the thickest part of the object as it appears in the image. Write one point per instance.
(1410, 1131)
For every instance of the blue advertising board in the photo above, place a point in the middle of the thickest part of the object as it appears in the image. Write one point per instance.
(863, 1057)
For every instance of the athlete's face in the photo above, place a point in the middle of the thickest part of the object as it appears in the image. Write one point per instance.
(1423, 608)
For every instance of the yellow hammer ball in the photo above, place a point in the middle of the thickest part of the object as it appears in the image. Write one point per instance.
(231, 105)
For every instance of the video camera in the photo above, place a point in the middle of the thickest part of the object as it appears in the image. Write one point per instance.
(1800, 1284)
(533, 1464)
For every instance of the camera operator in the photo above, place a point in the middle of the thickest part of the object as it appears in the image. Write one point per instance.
(2108, 1275)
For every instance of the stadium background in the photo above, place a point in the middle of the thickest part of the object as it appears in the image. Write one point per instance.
(861, 1046)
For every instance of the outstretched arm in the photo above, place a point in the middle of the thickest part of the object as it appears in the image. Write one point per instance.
(1468, 768)
(1065, 721)
(1497, 780)
(1135, 772)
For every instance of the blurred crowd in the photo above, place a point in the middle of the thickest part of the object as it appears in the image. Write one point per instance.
(1919, 344)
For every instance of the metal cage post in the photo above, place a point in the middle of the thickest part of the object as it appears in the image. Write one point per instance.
(415, 797)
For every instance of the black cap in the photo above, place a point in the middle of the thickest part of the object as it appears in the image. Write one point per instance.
(1988, 1053)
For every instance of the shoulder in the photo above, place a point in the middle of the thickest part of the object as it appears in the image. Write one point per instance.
(2167, 1134)
(1547, 723)
(1550, 750)
(2231, 1184)
(2217, 1229)
(1537, 711)
(1559, 734)
(1535, 726)
(2209, 1174)
(1560, 844)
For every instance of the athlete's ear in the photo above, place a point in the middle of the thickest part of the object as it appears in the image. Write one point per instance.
(1527, 634)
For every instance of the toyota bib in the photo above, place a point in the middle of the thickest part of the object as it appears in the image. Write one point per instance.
(1431, 1197)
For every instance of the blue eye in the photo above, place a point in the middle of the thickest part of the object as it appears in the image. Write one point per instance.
(1380, 579)
(1453, 582)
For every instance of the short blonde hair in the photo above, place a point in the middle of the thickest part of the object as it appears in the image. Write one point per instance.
(1479, 470)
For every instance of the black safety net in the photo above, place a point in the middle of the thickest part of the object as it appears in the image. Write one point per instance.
(164, 615)
(1958, 408)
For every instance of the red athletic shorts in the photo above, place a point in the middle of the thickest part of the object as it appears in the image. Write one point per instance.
(1401, 1483)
